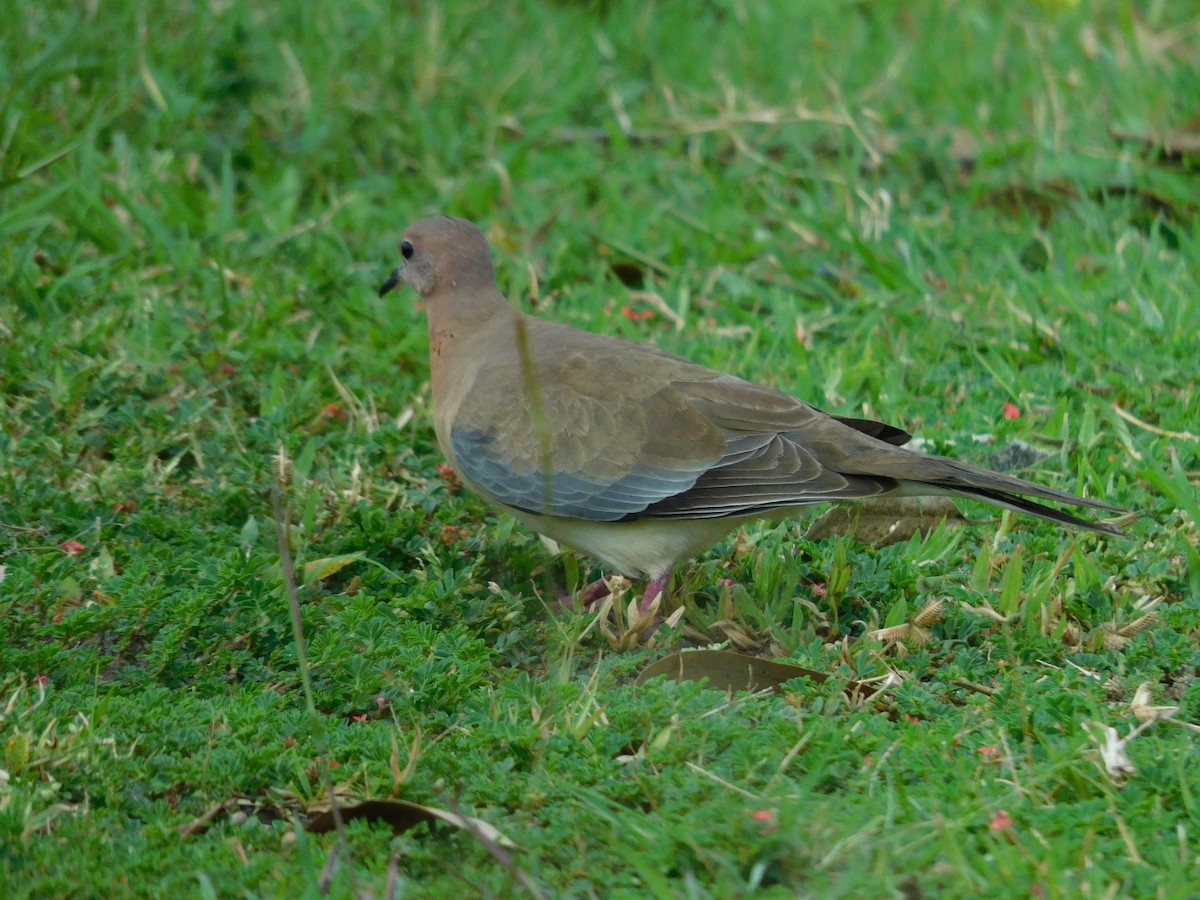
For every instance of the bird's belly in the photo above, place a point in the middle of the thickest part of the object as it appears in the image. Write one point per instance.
(643, 549)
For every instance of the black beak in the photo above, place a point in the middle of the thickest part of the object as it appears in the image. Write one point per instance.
(392, 281)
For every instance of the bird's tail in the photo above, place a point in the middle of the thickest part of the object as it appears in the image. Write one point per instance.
(1017, 503)
(949, 476)
(939, 474)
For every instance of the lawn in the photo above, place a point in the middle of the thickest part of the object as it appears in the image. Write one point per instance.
(978, 221)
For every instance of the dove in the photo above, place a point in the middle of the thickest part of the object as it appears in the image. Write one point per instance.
(633, 456)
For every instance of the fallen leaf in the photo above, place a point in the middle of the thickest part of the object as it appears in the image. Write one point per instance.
(1176, 144)
(884, 521)
(402, 815)
(1041, 201)
(320, 569)
(731, 671)
(236, 810)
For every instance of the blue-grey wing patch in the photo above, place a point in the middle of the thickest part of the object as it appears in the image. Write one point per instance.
(544, 490)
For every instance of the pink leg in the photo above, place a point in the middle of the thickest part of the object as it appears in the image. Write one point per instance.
(654, 587)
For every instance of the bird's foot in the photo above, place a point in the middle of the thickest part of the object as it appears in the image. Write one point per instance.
(655, 589)
(642, 624)
(656, 592)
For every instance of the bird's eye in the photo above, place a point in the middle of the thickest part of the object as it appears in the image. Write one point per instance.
(407, 249)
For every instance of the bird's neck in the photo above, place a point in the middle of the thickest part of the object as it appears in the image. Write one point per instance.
(455, 318)
(460, 322)
(460, 332)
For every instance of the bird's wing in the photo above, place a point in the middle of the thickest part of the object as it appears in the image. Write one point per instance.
(574, 430)
(780, 456)
(603, 429)
(779, 452)
(606, 430)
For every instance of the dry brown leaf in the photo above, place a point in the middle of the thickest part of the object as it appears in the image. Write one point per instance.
(887, 520)
(1176, 144)
(1041, 201)
(402, 815)
(236, 810)
(731, 671)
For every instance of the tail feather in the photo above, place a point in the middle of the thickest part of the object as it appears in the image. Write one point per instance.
(1021, 504)
(955, 476)
(939, 474)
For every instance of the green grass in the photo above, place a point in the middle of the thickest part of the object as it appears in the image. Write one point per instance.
(914, 211)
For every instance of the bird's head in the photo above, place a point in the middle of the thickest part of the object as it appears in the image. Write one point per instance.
(442, 254)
